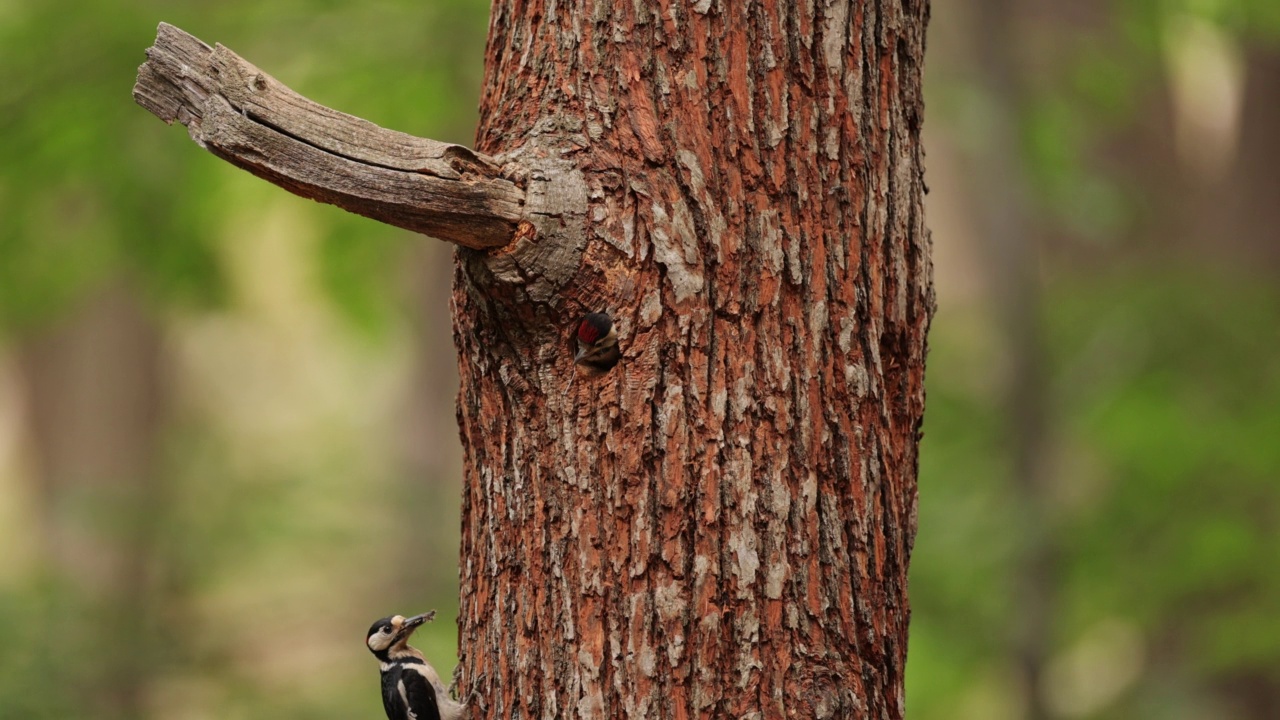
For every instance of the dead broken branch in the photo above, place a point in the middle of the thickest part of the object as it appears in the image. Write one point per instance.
(248, 118)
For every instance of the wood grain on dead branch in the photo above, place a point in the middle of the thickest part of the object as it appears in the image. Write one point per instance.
(250, 119)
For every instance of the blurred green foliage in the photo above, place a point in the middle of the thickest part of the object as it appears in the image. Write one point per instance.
(92, 188)
(1164, 397)
(95, 193)
(1163, 402)
(83, 190)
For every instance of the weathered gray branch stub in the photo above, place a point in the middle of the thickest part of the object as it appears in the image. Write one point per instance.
(248, 118)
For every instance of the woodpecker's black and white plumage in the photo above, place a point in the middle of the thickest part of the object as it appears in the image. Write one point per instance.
(411, 688)
(597, 344)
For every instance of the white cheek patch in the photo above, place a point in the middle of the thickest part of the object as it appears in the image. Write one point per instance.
(380, 640)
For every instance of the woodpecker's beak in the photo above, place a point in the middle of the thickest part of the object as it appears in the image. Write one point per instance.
(410, 624)
(582, 351)
(417, 620)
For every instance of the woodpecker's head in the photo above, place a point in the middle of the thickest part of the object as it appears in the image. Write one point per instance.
(597, 343)
(389, 637)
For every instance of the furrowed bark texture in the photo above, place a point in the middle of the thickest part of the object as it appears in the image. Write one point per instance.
(720, 526)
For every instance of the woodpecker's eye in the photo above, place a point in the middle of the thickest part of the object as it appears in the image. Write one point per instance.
(387, 630)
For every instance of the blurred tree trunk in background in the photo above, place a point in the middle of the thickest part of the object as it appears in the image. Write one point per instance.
(1225, 210)
(1209, 214)
(429, 455)
(719, 527)
(96, 400)
(1247, 219)
(1011, 229)
(1221, 221)
(1249, 211)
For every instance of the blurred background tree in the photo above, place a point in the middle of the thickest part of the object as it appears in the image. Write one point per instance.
(222, 408)
(226, 425)
(1098, 497)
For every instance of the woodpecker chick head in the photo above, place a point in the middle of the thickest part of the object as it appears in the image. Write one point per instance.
(389, 637)
(597, 343)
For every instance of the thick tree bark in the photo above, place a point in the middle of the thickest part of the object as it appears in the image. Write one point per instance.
(720, 526)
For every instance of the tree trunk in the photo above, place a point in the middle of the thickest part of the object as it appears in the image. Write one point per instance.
(1011, 233)
(96, 403)
(719, 526)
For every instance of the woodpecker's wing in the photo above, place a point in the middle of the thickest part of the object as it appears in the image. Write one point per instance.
(418, 694)
(392, 702)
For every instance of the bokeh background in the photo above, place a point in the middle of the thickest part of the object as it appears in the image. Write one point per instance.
(226, 414)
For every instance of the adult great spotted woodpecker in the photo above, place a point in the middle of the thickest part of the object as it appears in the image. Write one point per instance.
(597, 344)
(411, 688)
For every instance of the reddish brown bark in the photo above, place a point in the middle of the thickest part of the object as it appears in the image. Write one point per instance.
(720, 526)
